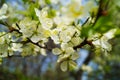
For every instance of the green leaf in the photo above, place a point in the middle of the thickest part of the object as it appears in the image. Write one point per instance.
(51, 13)
(0, 61)
(47, 2)
(85, 30)
(117, 33)
(30, 12)
(103, 24)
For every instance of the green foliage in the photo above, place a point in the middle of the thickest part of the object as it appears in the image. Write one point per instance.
(103, 24)
(29, 10)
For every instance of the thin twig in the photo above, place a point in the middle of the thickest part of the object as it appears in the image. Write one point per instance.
(99, 11)
(85, 21)
(84, 43)
(4, 34)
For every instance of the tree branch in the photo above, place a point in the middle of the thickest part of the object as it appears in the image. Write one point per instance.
(102, 10)
(84, 43)
(11, 29)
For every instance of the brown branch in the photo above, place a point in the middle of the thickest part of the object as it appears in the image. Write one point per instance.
(11, 29)
(85, 21)
(10, 56)
(99, 11)
(102, 10)
(78, 74)
(84, 43)
(37, 44)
